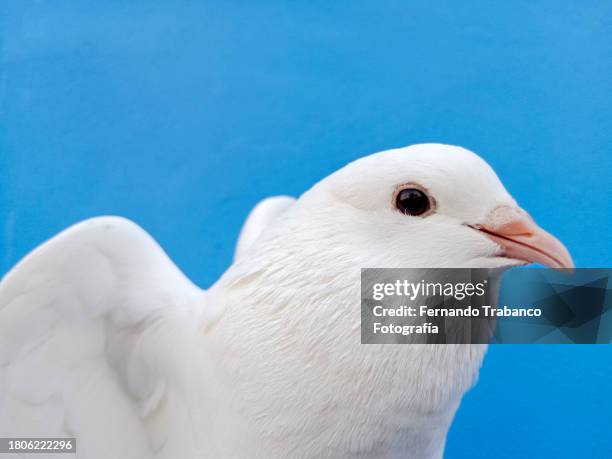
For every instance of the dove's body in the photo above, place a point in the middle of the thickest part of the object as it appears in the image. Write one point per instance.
(318, 392)
(102, 337)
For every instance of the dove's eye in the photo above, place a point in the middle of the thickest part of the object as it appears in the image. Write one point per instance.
(412, 201)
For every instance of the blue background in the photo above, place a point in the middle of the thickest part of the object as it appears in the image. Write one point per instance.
(181, 116)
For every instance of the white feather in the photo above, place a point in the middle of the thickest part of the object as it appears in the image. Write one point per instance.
(262, 215)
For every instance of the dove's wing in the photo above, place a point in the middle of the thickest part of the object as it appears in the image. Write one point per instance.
(94, 332)
(260, 217)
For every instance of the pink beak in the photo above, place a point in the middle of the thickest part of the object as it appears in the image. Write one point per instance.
(522, 239)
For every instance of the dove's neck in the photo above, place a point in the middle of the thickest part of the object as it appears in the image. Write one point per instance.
(296, 370)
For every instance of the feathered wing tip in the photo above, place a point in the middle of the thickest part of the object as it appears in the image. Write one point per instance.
(262, 215)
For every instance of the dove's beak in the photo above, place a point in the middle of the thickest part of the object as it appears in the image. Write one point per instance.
(522, 239)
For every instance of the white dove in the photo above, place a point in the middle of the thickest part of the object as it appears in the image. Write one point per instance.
(102, 338)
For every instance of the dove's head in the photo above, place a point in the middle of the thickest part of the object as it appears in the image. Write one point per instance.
(429, 205)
